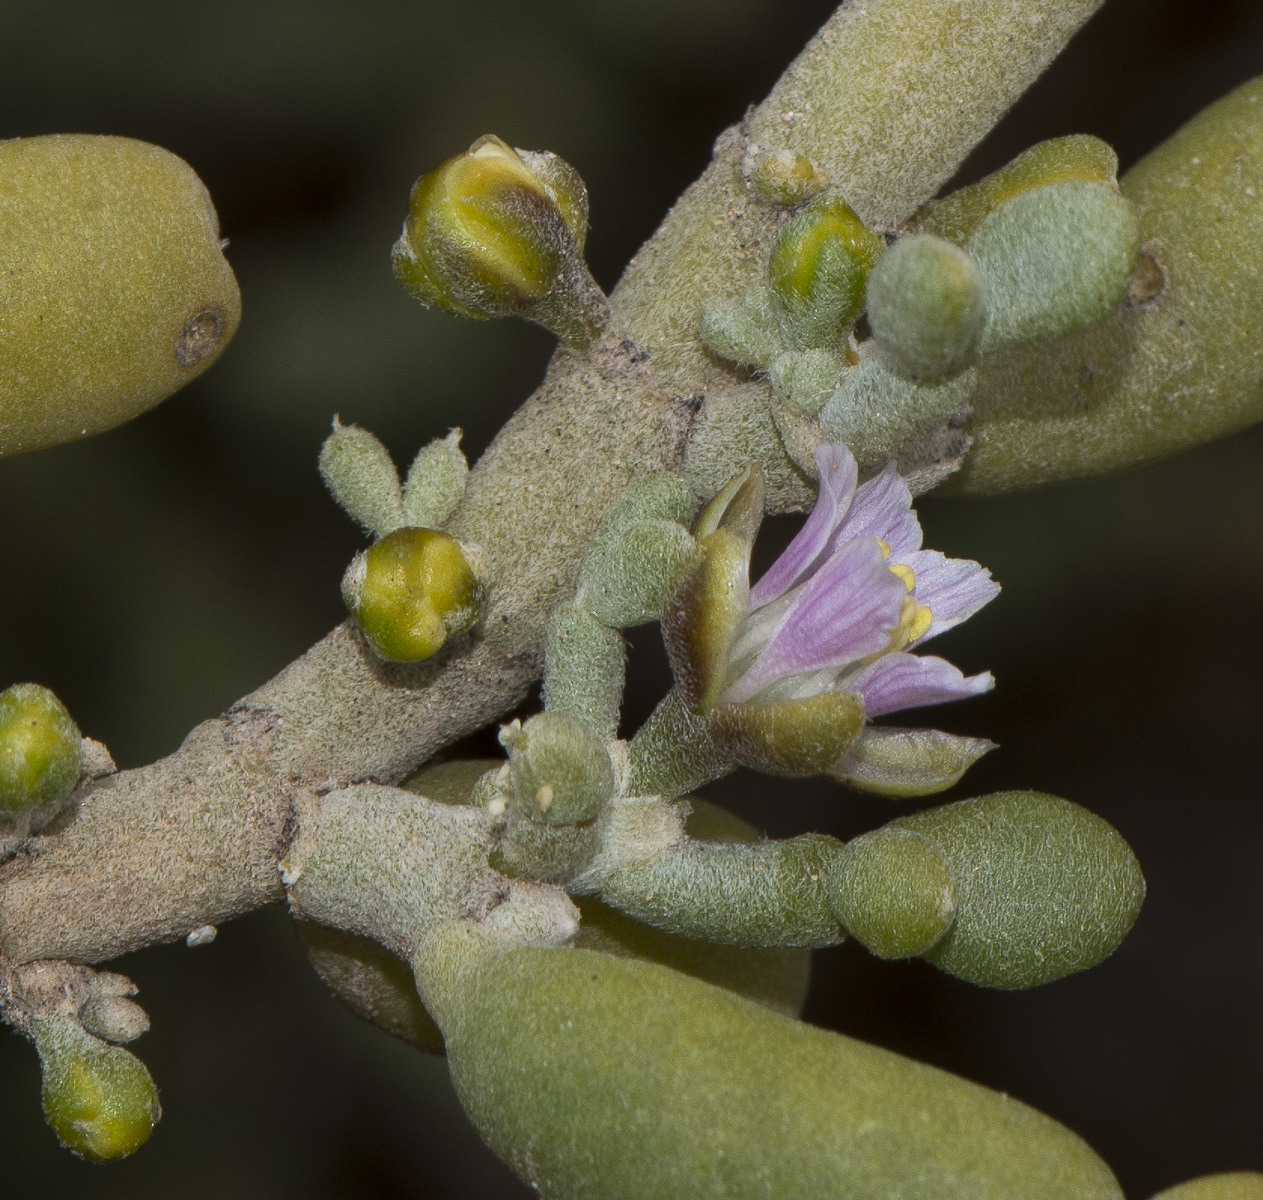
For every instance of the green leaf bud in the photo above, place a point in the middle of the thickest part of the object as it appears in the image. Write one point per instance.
(99, 1099)
(592, 1075)
(1055, 259)
(927, 306)
(892, 890)
(625, 577)
(116, 290)
(40, 748)
(436, 482)
(410, 592)
(819, 264)
(1231, 1185)
(1078, 158)
(360, 474)
(889, 761)
(786, 178)
(562, 772)
(1044, 888)
(806, 378)
(744, 331)
(794, 738)
(878, 415)
(488, 237)
(584, 669)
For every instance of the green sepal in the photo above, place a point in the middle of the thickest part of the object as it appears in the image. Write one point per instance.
(549, 853)
(892, 890)
(1078, 158)
(1044, 888)
(889, 761)
(794, 738)
(361, 476)
(436, 482)
(1055, 259)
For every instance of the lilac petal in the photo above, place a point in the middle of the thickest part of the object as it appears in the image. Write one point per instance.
(901, 680)
(844, 612)
(836, 470)
(882, 508)
(953, 589)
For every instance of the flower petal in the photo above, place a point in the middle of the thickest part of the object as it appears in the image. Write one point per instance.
(953, 589)
(882, 508)
(902, 680)
(836, 472)
(844, 612)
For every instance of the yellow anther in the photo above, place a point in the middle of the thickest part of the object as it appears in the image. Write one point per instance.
(906, 574)
(921, 620)
(884, 547)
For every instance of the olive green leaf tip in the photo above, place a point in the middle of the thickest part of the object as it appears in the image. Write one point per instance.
(562, 772)
(626, 573)
(360, 474)
(745, 331)
(411, 591)
(117, 290)
(1231, 1185)
(893, 891)
(492, 233)
(806, 378)
(927, 306)
(1055, 259)
(1043, 887)
(817, 270)
(99, 1099)
(664, 1081)
(40, 749)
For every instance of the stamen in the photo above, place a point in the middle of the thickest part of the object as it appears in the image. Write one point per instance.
(884, 547)
(907, 574)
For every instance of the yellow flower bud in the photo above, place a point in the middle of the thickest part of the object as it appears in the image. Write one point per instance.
(98, 1099)
(410, 592)
(116, 289)
(39, 749)
(818, 268)
(489, 236)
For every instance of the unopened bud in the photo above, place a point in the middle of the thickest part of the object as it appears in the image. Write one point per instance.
(927, 306)
(98, 1099)
(787, 178)
(410, 592)
(562, 773)
(488, 236)
(39, 749)
(820, 262)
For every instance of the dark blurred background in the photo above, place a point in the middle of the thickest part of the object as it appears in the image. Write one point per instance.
(157, 573)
